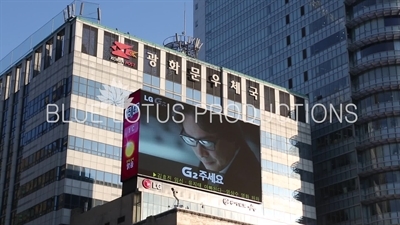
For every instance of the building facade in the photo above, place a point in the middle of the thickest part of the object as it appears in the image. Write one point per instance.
(62, 129)
(336, 53)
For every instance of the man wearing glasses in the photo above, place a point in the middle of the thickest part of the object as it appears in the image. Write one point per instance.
(221, 147)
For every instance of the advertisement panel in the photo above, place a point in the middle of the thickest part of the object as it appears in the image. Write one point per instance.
(190, 146)
(130, 140)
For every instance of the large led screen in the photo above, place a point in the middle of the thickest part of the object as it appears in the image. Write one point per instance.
(191, 146)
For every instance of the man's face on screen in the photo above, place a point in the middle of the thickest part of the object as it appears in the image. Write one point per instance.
(213, 152)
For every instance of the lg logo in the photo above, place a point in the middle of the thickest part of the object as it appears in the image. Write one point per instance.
(153, 185)
(157, 101)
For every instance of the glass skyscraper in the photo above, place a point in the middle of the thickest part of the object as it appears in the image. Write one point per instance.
(61, 136)
(335, 52)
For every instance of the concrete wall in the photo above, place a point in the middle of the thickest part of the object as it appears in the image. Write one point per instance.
(184, 217)
(107, 213)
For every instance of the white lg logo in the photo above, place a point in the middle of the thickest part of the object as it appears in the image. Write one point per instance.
(155, 185)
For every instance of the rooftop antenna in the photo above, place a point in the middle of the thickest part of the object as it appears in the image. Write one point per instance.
(184, 19)
(190, 46)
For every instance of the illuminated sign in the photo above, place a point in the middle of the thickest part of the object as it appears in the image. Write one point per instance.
(122, 53)
(130, 141)
(190, 146)
(148, 184)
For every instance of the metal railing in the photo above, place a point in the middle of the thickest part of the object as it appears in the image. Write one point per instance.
(36, 38)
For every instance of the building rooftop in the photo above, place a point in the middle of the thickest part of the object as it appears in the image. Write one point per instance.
(183, 217)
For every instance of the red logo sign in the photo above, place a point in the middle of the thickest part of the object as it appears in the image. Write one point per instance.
(146, 183)
(123, 50)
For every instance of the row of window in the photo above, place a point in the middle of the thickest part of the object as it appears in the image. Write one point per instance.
(36, 211)
(44, 153)
(334, 137)
(348, 215)
(375, 26)
(285, 145)
(68, 201)
(378, 47)
(391, 98)
(338, 189)
(381, 124)
(379, 209)
(330, 89)
(43, 55)
(94, 148)
(376, 180)
(363, 4)
(326, 167)
(329, 65)
(52, 122)
(51, 95)
(39, 182)
(87, 88)
(287, 171)
(325, 20)
(93, 176)
(387, 157)
(328, 42)
(73, 172)
(376, 75)
(96, 120)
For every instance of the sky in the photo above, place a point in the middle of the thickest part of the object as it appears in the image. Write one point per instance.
(150, 20)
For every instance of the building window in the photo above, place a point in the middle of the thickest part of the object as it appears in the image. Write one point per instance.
(48, 53)
(197, 6)
(304, 53)
(89, 40)
(196, 23)
(287, 19)
(302, 11)
(392, 21)
(109, 39)
(288, 40)
(286, 1)
(289, 61)
(60, 45)
(290, 83)
(303, 32)
(37, 62)
(269, 97)
(305, 76)
(28, 70)
(284, 103)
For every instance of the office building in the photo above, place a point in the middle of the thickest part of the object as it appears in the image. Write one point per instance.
(62, 128)
(337, 53)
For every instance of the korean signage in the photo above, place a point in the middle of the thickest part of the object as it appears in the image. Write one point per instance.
(174, 68)
(151, 61)
(130, 141)
(214, 82)
(230, 202)
(253, 93)
(189, 146)
(193, 73)
(234, 88)
(125, 53)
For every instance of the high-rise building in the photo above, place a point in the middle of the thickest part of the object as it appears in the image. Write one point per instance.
(335, 52)
(61, 117)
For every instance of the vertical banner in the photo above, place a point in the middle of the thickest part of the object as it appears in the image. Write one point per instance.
(130, 140)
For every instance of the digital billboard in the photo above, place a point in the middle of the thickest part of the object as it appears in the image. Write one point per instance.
(191, 146)
(130, 138)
